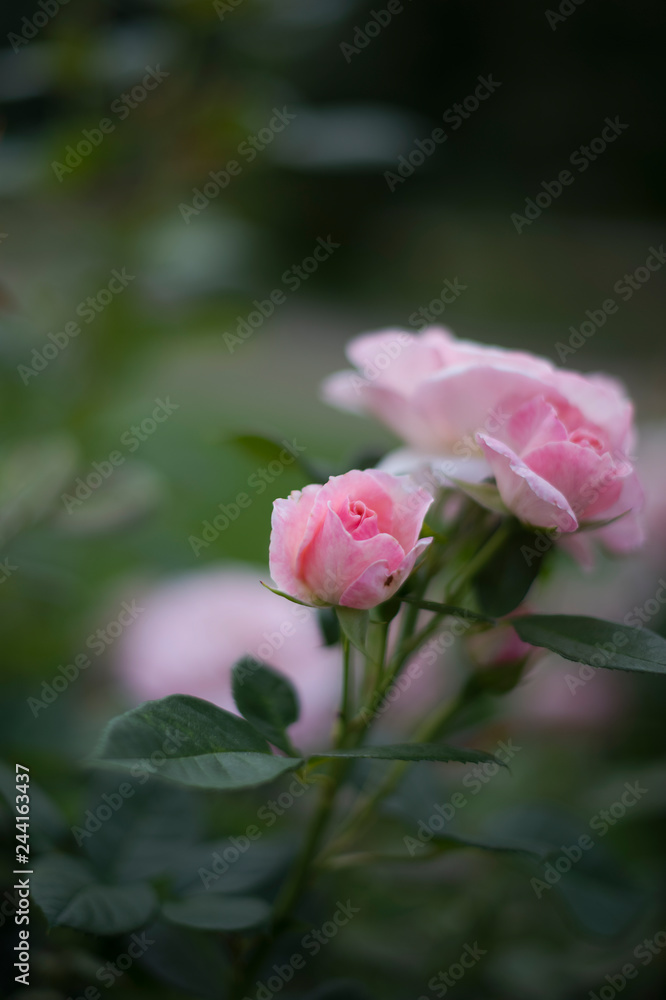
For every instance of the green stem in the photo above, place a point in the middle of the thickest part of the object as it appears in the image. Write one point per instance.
(459, 584)
(346, 687)
(429, 729)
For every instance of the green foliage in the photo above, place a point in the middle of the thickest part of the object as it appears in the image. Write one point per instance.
(190, 741)
(354, 623)
(506, 578)
(267, 699)
(595, 642)
(216, 912)
(68, 893)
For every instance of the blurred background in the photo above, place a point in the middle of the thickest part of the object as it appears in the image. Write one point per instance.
(168, 170)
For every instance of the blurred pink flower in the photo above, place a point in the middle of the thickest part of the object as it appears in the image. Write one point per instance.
(499, 646)
(554, 439)
(351, 542)
(195, 627)
(553, 696)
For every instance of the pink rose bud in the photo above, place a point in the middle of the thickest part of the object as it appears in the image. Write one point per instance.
(351, 542)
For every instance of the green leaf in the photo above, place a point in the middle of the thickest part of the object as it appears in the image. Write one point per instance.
(190, 741)
(354, 624)
(203, 869)
(68, 894)
(329, 626)
(507, 846)
(413, 752)
(287, 597)
(504, 581)
(265, 449)
(448, 609)
(148, 833)
(485, 494)
(266, 699)
(189, 960)
(217, 912)
(595, 642)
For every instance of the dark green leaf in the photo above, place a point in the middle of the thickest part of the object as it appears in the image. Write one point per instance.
(264, 449)
(508, 846)
(413, 752)
(68, 894)
(148, 831)
(595, 642)
(220, 866)
(217, 912)
(506, 578)
(190, 960)
(190, 741)
(266, 699)
(329, 626)
(448, 609)
(354, 624)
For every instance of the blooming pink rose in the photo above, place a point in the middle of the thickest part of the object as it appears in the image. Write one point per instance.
(553, 477)
(195, 627)
(351, 542)
(464, 402)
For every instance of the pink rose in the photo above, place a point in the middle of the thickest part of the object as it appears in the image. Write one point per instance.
(351, 542)
(554, 477)
(195, 627)
(473, 411)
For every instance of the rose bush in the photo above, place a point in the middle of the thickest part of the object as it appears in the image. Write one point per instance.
(557, 442)
(351, 542)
